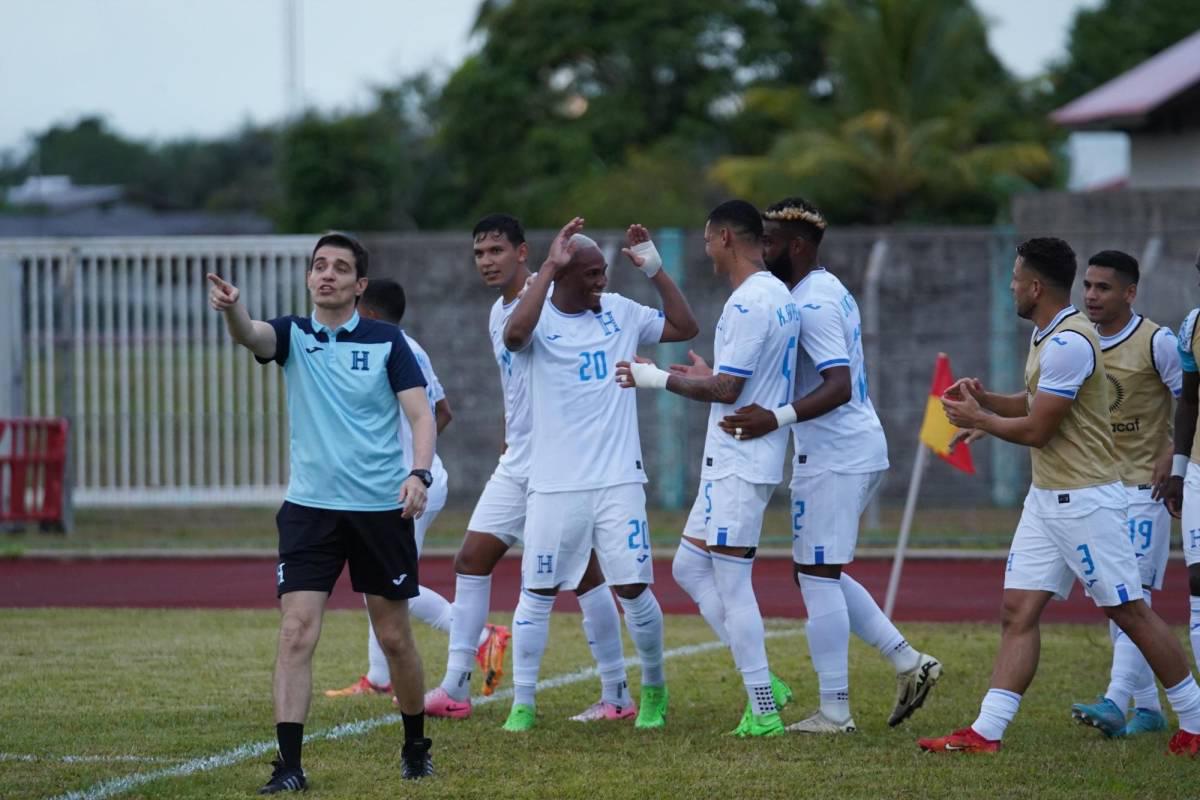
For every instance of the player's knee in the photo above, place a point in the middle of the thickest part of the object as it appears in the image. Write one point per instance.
(297, 634)
(469, 563)
(1018, 616)
(394, 642)
(630, 591)
(1194, 580)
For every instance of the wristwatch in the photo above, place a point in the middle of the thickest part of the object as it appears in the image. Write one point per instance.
(423, 475)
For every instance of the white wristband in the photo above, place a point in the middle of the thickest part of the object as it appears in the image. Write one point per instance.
(785, 415)
(648, 376)
(651, 260)
(1179, 465)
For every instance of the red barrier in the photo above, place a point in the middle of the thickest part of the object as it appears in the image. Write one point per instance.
(33, 461)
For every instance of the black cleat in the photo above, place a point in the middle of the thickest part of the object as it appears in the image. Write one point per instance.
(415, 761)
(284, 779)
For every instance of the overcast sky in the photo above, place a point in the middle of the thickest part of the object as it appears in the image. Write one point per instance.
(167, 68)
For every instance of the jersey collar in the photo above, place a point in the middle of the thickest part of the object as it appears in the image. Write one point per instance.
(1038, 335)
(348, 326)
(1108, 342)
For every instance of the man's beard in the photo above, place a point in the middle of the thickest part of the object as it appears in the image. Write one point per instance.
(781, 267)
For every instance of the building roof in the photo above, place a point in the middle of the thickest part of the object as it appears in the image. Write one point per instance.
(1129, 98)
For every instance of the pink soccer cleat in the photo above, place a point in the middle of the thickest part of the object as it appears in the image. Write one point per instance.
(440, 704)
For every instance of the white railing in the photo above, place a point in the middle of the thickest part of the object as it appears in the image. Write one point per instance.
(119, 338)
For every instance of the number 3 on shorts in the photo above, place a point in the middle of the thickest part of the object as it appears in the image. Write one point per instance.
(1086, 558)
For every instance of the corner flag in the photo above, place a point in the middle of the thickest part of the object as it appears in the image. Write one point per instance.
(936, 430)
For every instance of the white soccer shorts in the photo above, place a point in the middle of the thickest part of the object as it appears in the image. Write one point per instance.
(435, 501)
(1049, 553)
(500, 510)
(562, 528)
(826, 508)
(1149, 526)
(1191, 515)
(728, 512)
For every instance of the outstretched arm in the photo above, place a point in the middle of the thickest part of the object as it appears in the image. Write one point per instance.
(256, 336)
(695, 381)
(518, 331)
(680, 323)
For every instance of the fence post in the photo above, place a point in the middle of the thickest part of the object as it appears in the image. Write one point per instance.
(1003, 360)
(671, 483)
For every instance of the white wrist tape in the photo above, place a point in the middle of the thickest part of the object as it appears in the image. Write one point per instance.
(651, 260)
(1179, 465)
(648, 376)
(785, 415)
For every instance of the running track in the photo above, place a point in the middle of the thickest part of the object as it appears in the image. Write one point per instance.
(951, 590)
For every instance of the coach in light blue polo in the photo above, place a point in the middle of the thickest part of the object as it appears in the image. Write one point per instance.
(350, 499)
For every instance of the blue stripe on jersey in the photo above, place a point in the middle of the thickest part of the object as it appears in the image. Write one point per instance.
(1060, 392)
(722, 536)
(819, 554)
(833, 362)
(745, 373)
(1121, 593)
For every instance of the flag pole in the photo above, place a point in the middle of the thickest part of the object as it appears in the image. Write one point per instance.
(910, 506)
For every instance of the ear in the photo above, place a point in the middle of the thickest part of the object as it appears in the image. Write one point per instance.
(522, 252)
(1131, 293)
(360, 286)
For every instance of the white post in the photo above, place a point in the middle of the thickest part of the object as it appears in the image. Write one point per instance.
(910, 506)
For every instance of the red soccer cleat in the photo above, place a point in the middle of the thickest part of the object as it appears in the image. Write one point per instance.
(965, 740)
(1184, 744)
(491, 656)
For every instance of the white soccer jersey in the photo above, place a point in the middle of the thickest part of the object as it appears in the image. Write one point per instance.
(756, 340)
(585, 428)
(849, 438)
(435, 392)
(514, 383)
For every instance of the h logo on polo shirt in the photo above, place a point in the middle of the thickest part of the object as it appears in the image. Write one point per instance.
(358, 360)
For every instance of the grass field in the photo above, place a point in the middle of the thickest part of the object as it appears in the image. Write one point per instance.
(93, 697)
(106, 529)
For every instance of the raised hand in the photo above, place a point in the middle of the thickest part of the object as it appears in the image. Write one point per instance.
(964, 386)
(561, 248)
(222, 295)
(699, 368)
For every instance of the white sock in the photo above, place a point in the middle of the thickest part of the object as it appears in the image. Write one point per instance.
(531, 629)
(378, 672)
(998, 708)
(693, 571)
(1194, 631)
(747, 636)
(828, 633)
(602, 627)
(432, 609)
(1131, 675)
(472, 596)
(644, 621)
(1184, 698)
(869, 623)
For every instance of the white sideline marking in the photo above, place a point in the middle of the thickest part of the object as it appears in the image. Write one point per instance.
(116, 786)
(88, 759)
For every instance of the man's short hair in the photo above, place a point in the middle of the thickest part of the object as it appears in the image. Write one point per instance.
(1116, 260)
(346, 242)
(742, 217)
(505, 224)
(386, 298)
(798, 217)
(1050, 257)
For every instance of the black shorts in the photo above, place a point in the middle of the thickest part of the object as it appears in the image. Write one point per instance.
(314, 544)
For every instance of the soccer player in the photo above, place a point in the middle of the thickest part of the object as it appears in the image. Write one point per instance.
(841, 457)
(754, 357)
(349, 496)
(586, 474)
(1141, 360)
(498, 521)
(384, 300)
(1185, 494)
(1073, 524)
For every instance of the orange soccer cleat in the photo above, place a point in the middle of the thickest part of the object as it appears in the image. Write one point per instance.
(965, 740)
(491, 656)
(360, 686)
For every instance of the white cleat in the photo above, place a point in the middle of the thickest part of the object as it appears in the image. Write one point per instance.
(819, 723)
(913, 687)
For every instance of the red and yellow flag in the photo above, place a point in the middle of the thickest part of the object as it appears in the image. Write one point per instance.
(936, 430)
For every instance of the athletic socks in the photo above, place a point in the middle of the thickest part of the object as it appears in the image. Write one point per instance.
(1184, 698)
(869, 623)
(531, 629)
(644, 620)
(747, 636)
(998, 708)
(472, 597)
(602, 627)
(432, 609)
(693, 571)
(828, 634)
(1131, 675)
(290, 736)
(378, 671)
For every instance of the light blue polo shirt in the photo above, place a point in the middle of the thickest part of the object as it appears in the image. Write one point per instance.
(342, 411)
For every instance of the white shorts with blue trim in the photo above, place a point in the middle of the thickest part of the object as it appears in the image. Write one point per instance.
(1191, 515)
(1149, 526)
(562, 529)
(826, 508)
(1049, 553)
(500, 510)
(728, 512)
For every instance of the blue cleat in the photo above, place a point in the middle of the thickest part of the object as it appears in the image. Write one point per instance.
(1103, 714)
(1144, 721)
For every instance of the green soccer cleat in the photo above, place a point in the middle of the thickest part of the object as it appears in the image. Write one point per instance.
(782, 692)
(764, 725)
(653, 710)
(520, 719)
